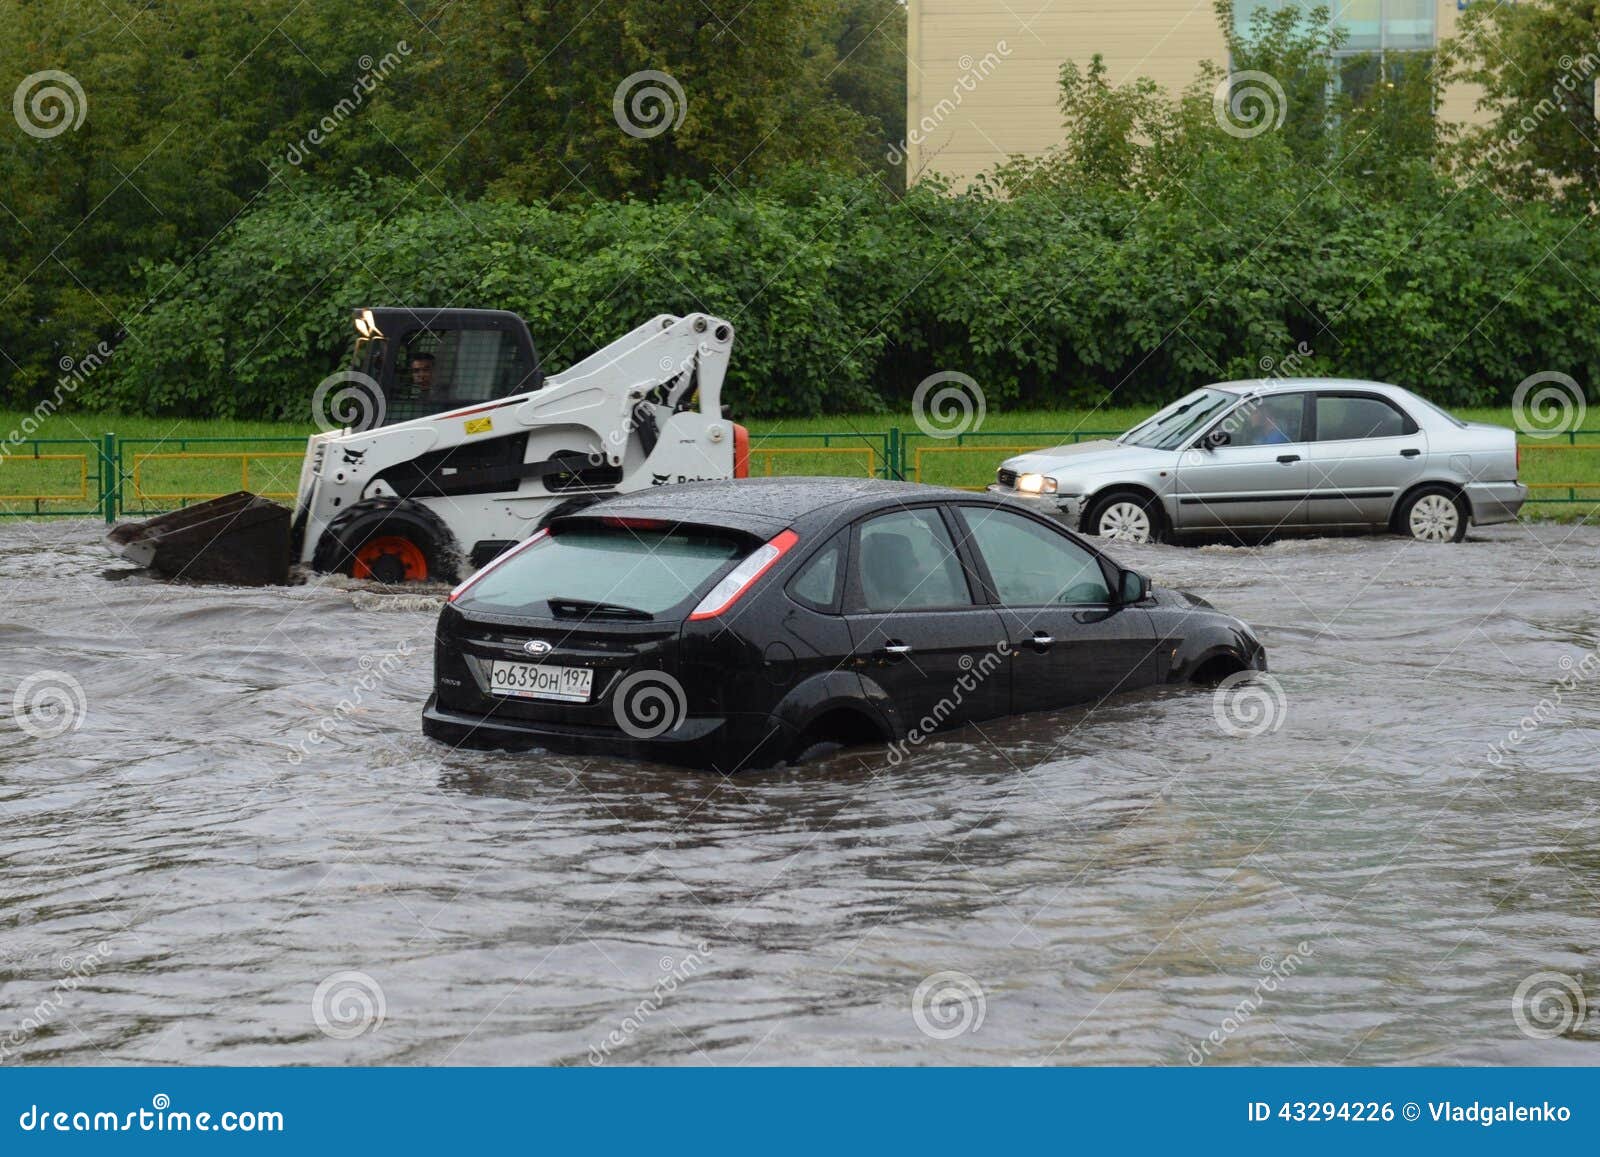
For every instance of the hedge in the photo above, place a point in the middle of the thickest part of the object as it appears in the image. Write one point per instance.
(846, 295)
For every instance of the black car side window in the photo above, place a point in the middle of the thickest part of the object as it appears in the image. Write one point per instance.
(907, 562)
(817, 584)
(1032, 565)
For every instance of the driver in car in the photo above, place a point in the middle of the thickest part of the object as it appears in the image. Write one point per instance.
(1261, 430)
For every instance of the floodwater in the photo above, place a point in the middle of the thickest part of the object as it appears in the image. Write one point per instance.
(189, 878)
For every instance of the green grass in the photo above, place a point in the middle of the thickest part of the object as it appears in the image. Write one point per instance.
(842, 444)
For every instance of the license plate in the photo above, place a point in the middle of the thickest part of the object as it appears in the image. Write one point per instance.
(540, 681)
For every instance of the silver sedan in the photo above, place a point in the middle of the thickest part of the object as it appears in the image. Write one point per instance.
(1296, 455)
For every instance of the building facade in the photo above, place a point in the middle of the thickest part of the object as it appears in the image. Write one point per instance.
(983, 74)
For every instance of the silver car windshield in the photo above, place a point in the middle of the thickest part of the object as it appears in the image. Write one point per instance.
(1184, 419)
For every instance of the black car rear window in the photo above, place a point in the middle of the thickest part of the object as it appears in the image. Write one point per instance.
(622, 567)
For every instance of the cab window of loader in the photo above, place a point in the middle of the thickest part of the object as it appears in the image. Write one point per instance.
(437, 370)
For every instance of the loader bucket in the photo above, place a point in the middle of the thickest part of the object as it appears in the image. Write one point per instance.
(240, 538)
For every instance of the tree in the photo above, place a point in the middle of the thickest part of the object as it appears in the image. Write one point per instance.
(566, 99)
(867, 40)
(1537, 64)
(195, 108)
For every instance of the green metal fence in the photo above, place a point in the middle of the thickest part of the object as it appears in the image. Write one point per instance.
(58, 477)
(111, 477)
(157, 474)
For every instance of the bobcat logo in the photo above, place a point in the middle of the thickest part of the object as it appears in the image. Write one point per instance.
(660, 479)
(668, 479)
(353, 457)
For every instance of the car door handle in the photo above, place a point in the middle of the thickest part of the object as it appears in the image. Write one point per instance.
(1409, 452)
(897, 649)
(1041, 641)
(1288, 458)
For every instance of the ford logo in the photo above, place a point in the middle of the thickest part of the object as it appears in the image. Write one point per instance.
(537, 647)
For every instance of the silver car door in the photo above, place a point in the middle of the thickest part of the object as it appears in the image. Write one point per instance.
(1249, 470)
(1367, 451)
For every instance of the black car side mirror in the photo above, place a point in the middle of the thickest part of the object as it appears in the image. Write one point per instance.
(1135, 588)
(1216, 438)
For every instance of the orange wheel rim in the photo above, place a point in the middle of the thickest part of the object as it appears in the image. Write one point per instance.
(390, 556)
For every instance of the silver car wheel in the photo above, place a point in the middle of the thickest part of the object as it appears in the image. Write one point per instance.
(1124, 522)
(1434, 518)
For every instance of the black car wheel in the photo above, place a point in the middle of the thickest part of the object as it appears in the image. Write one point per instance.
(388, 540)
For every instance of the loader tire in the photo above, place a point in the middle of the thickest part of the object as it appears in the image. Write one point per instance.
(389, 540)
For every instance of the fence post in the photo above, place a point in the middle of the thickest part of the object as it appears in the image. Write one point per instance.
(110, 476)
(895, 464)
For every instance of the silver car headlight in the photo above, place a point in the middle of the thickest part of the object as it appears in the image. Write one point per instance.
(1036, 484)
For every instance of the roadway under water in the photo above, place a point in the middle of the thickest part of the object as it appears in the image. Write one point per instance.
(189, 878)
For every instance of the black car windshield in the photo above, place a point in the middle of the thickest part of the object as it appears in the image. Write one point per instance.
(1184, 419)
(627, 570)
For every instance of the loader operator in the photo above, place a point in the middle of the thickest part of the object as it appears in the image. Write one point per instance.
(422, 375)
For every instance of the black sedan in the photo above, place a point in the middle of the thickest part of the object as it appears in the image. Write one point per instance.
(732, 625)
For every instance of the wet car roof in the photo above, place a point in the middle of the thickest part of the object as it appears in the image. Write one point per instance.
(762, 505)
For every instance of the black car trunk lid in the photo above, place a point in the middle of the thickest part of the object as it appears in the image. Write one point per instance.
(489, 656)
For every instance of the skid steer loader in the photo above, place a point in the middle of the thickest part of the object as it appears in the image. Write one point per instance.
(458, 446)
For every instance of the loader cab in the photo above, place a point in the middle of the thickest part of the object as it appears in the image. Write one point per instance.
(428, 361)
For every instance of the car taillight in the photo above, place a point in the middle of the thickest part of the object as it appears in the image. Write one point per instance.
(742, 577)
(539, 536)
(1519, 459)
(741, 451)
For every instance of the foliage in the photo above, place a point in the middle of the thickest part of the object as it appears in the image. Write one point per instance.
(1280, 109)
(196, 107)
(1537, 64)
(845, 297)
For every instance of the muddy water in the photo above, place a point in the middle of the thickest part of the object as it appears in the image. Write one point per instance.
(189, 878)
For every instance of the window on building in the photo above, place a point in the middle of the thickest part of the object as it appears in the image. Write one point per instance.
(1371, 25)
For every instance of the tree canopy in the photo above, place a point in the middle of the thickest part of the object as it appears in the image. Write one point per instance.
(195, 110)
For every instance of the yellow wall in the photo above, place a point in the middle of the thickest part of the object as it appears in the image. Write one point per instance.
(982, 76)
